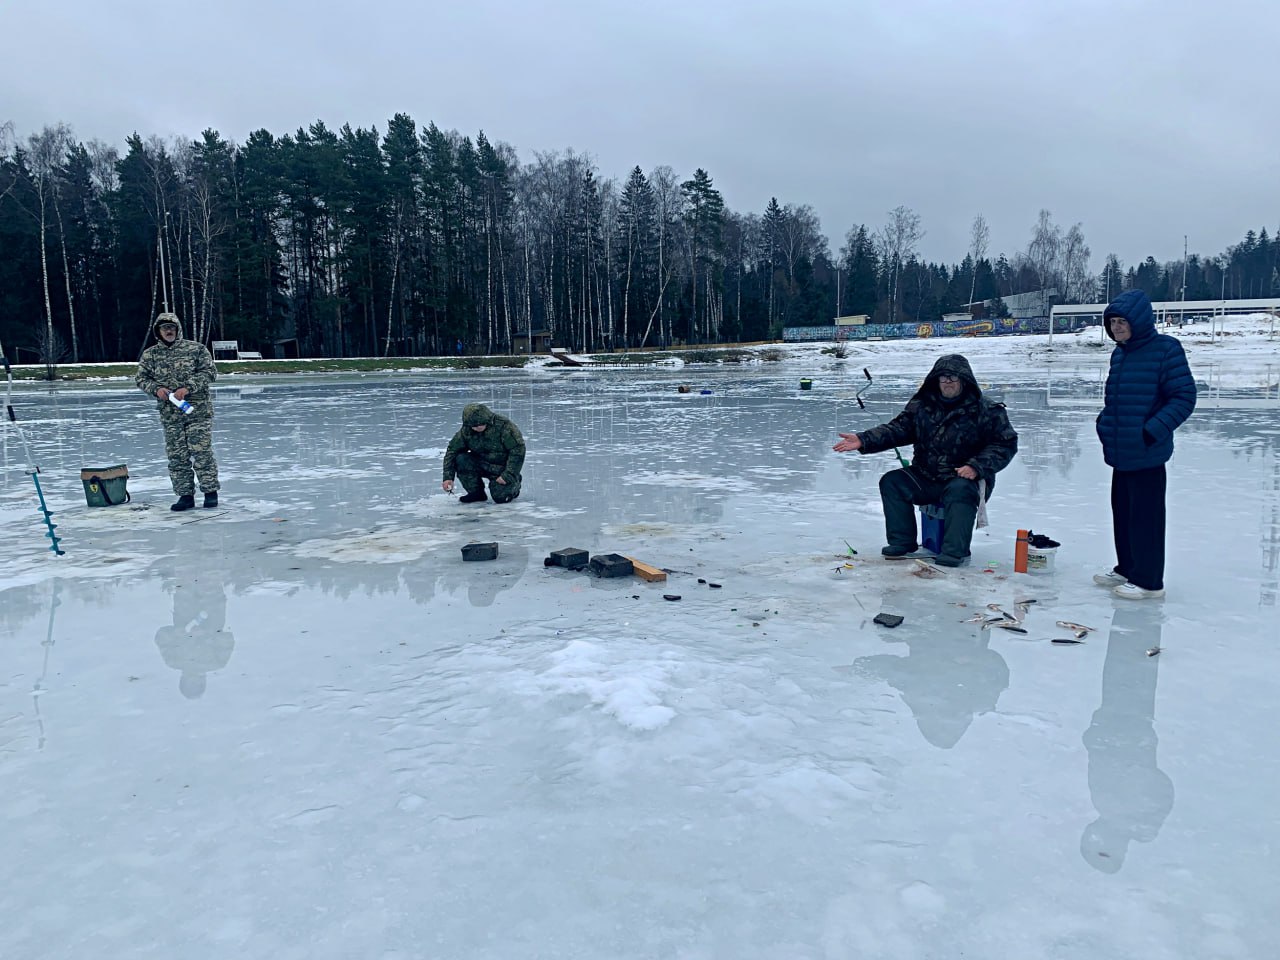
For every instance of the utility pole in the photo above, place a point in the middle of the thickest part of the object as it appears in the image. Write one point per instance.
(164, 286)
(1102, 330)
(1184, 277)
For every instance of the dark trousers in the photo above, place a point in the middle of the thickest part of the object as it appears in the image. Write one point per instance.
(903, 490)
(1137, 518)
(472, 472)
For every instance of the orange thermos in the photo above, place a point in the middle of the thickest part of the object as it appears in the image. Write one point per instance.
(1020, 551)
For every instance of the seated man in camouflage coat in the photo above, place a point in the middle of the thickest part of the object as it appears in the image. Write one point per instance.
(962, 440)
(488, 445)
(185, 369)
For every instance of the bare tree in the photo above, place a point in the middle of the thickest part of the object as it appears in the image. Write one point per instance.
(897, 242)
(800, 236)
(668, 208)
(1077, 283)
(7, 144)
(610, 218)
(979, 234)
(157, 159)
(1044, 257)
(45, 151)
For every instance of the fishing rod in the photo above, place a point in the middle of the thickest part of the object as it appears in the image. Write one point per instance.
(32, 468)
(862, 406)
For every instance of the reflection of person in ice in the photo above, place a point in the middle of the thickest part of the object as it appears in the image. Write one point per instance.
(1131, 794)
(197, 643)
(946, 681)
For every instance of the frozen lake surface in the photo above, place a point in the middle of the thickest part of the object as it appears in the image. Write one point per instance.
(301, 727)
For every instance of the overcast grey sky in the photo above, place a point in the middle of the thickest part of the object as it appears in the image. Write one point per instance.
(1142, 119)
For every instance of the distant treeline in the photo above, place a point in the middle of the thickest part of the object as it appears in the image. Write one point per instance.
(354, 243)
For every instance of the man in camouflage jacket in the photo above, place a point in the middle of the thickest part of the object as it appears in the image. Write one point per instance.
(962, 440)
(185, 369)
(488, 445)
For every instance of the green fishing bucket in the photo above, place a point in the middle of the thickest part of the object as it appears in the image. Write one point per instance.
(105, 486)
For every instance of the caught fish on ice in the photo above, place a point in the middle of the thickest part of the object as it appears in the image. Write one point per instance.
(1079, 629)
(1010, 625)
(1075, 626)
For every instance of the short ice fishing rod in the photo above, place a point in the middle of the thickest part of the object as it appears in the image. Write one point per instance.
(862, 406)
(32, 468)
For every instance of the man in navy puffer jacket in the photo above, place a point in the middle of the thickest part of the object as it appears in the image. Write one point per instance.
(1150, 392)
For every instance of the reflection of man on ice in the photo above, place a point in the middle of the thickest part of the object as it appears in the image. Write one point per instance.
(945, 681)
(197, 643)
(1130, 792)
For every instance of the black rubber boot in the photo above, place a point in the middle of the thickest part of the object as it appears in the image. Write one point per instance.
(473, 497)
(894, 552)
(211, 500)
(185, 502)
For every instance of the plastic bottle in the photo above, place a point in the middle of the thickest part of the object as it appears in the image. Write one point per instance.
(180, 404)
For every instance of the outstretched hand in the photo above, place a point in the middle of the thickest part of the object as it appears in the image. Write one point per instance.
(849, 442)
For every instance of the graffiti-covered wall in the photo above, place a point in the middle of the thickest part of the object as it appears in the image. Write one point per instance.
(919, 331)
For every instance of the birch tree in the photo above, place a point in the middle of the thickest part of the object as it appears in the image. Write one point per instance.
(1044, 256)
(1077, 282)
(978, 237)
(45, 152)
(668, 208)
(896, 242)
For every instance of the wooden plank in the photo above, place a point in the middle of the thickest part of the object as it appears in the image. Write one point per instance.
(647, 572)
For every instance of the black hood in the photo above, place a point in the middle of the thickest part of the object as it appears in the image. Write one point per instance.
(956, 365)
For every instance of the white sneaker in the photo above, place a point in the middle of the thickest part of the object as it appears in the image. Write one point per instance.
(1131, 591)
(1109, 579)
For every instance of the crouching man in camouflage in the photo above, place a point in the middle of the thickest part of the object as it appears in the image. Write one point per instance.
(488, 445)
(184, 369)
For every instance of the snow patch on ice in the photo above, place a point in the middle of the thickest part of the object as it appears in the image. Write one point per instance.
(629, 690)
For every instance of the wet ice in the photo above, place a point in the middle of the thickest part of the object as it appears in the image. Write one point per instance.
(304, 727)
